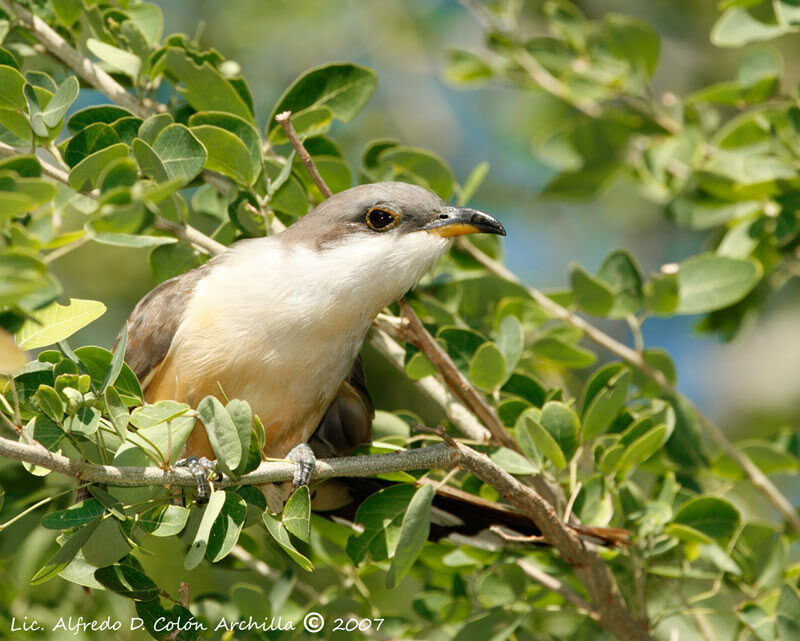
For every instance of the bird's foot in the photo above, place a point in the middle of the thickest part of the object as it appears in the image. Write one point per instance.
(303, 458)
(202, 469)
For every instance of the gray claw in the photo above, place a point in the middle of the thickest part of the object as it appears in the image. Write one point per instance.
(303, 458)
(202, 468)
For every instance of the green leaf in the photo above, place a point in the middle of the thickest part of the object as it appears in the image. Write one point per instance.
(278, 532)
(67, 11)
(590, 293)
(662, 293)
(122, 172)
(242, 417)
(307, 123)
(205, 88)
(181, 154)
(226, 154)
(714, 517)
(608, 396)
(117, 360)
(12, 205)
(563, 425)
(135, 241)
(93, 138)
(107, 114)
(31, 94)
(634, 41)
(643, 448)
(512, 462)
(473, 181)
(87, 171)
(420, 166)
(56, 322)
(296, 515)
(85, 421)
(414, 531)
(487, 370)
(290, 198)
(163, 520)
(543, 440)
(222, 433)
(381, 516)
(687, 534)
(61, 101)
(149, 161)
(160, 412)
(240, 127)
(511, 341)
(787, 614)
(466, 69)
(737, 27)
(419, 366)
(49, 402)
(769, 457)
(620, 272)
(65, 553)
(148, 18)
(45, 432)
(344, 88)
(129, 581)
(708, 282)
(11, 87)
(227, 527)
(116, 58)
(210, 512)
(151, 127)
(74, 516)
(97, 361)
(556, 350)
(110, 503)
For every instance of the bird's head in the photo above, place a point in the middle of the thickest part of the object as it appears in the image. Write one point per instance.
(390, 209)
(384, 236)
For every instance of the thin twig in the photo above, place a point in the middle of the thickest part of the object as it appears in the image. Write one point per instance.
(635, 359)
(284, 120)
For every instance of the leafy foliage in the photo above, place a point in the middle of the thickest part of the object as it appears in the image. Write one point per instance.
(620, 449)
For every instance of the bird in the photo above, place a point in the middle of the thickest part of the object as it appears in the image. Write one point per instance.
(279, 320)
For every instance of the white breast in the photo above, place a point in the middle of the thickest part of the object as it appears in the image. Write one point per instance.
(280, 326)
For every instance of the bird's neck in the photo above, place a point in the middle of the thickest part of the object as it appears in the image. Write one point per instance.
(352, 280)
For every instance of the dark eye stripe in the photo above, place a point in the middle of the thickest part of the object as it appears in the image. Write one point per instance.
(380, 219)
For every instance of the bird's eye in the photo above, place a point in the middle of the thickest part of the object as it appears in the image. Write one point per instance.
(381, 219)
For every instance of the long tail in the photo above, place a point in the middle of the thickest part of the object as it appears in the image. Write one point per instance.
(458, 512)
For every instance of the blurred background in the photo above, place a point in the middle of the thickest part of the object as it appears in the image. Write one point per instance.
(406, 43)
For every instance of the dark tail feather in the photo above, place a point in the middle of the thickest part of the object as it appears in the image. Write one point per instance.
(457, 511)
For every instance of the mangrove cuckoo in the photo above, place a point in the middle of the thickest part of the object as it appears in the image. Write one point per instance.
(279, 321)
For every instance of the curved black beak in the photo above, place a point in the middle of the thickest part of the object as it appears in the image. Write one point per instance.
(457, 221)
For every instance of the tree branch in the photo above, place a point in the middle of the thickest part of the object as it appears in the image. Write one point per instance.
(432, 457)
(588, 565)
(456, 413)
(414, 332)
(284, 120)
(606, 600)
(636, 360)
(76, 61)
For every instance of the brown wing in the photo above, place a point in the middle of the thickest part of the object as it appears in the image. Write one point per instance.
(348, 420)
(154, 321)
